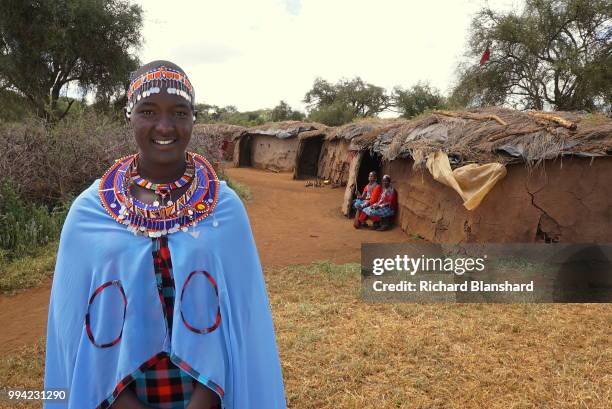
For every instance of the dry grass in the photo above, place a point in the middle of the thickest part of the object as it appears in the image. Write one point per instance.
(23, 370)
(339, 352)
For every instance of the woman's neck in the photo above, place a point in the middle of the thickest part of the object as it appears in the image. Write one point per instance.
(161, 173)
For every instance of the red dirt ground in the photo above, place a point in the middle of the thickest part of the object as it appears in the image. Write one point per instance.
(292, 224)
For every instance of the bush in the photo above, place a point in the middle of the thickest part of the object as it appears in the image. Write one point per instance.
(25, 226)
(46, 164)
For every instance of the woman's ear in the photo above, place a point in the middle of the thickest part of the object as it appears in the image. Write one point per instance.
(126, 115)
(195, 115)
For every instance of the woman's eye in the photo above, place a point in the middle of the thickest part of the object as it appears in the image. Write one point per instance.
(147, 113)
(180, 114)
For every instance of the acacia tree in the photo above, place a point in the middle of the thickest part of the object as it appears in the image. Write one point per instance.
(345, 100)
(417, 99)
(553, 54)
(48, 44)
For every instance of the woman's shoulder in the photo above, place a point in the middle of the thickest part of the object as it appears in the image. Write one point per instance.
(88, 200)
(227, 197)
(89, 195)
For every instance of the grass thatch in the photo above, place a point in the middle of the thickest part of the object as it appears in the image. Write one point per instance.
(285, 129)
(480, 136)
(224, 131)
(360, 128)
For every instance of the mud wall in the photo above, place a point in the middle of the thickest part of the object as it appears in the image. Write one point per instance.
(334, 162)
(269, 152)
(566, 201)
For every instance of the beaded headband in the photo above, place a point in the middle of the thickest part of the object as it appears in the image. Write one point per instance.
(153, 81)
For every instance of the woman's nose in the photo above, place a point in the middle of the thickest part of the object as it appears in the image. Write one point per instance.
(165, 125)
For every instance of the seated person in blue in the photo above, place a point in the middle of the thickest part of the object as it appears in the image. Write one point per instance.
(382, 211)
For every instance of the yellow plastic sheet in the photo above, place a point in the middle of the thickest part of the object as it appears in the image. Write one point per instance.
(472, 181)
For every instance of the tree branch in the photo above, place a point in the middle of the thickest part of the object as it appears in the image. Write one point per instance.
(67, 109)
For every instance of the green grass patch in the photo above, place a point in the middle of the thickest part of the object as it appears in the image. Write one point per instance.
(28, 271)
(25, 226)
(241, 189)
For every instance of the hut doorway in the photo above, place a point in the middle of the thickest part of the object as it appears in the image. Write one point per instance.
(370, 162)
(245, 151)
(308, 157)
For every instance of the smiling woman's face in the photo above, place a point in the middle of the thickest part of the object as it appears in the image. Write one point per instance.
(162, 126)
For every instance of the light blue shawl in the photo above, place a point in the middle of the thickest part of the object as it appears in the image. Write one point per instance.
(238, 359)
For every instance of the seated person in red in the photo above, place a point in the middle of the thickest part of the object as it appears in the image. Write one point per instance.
(382, 211)
(370, 194)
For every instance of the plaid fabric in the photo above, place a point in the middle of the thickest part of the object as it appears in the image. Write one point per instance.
(386, 211)
(357, 203)
(164, 385)
(163, 274)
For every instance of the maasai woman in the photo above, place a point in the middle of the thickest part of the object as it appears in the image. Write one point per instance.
(370, 194)
(384, 209)
(158, 298)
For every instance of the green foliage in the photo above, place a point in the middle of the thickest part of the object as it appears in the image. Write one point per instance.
(283, 112)
(417, 99)
(24, 226)
(28, 271)
(335, 114)
(552, 54)
(242, 190)
(13, 107)
(210, 114)
(359, 98)
(45, 45)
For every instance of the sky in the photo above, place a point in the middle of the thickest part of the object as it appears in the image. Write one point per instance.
(254, 53)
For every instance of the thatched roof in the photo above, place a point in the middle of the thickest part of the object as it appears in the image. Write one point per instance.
(493, 135)
(225, 131)
(283, 130)
(358, 128)
(314, 134)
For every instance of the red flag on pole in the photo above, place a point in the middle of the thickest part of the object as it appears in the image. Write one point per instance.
(485, 56)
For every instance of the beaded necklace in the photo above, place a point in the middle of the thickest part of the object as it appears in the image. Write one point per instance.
(162, 189)
(155, 220)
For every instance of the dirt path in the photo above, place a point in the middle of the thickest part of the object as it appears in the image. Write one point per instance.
(292, 224)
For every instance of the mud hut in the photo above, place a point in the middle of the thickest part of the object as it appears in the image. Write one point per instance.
(271, 146)
(310, 145)
(328, 153)
(553, 175)
(217, 137)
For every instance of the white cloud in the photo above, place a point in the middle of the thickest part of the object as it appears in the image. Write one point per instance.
(293, 6)
(253, 53)
(202, 52)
